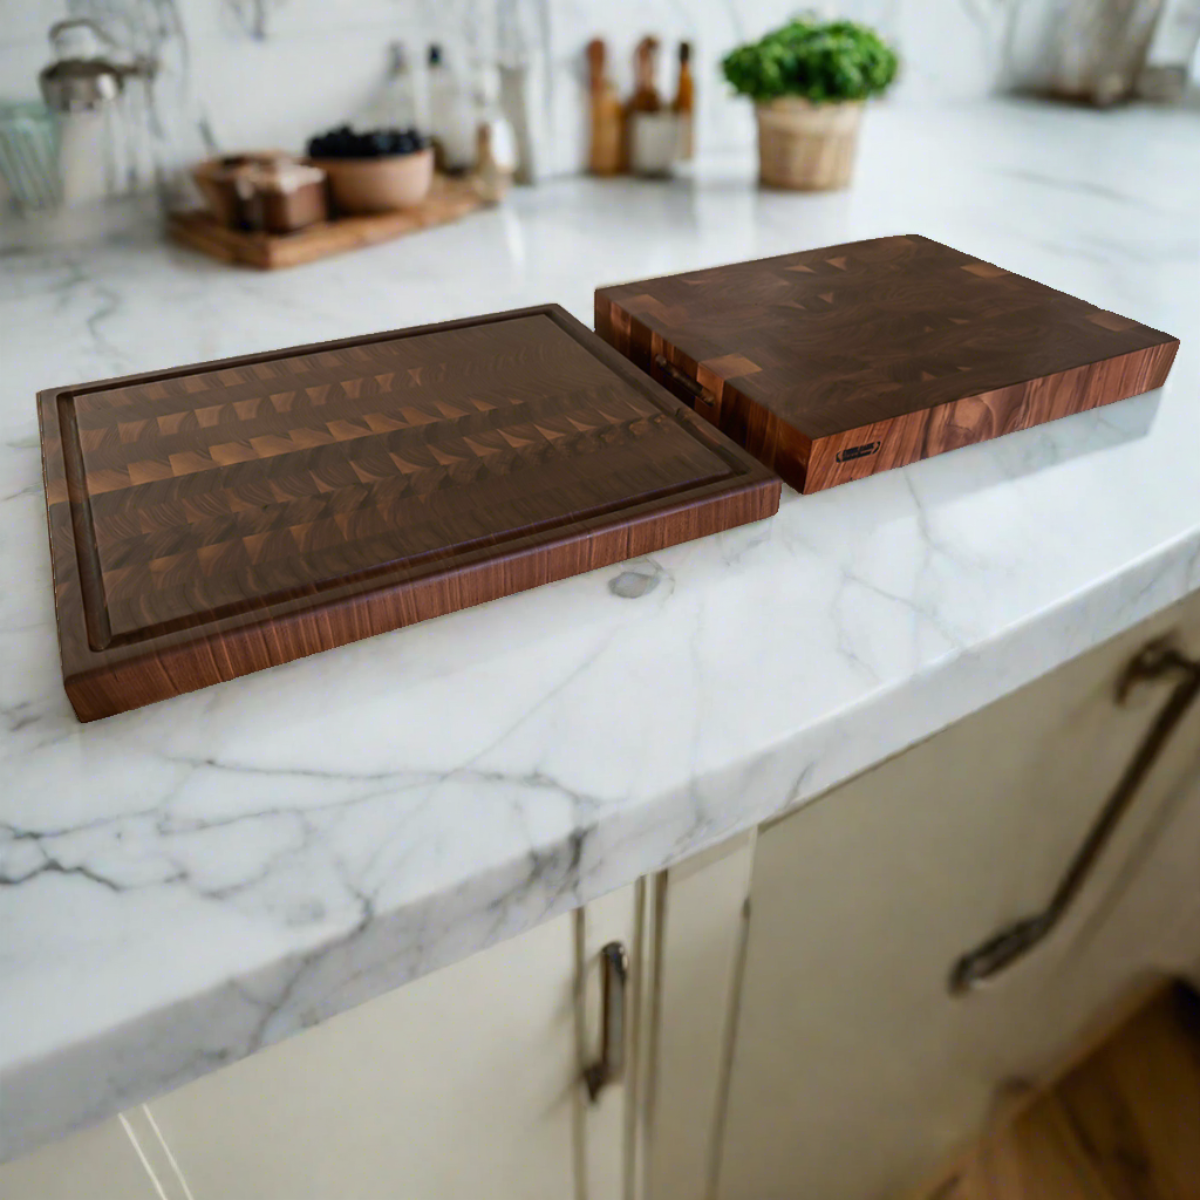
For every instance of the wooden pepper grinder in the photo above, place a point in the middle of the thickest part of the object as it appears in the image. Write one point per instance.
(645, 96)
(606, 152)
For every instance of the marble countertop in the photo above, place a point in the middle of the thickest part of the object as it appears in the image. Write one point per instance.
(186, 883)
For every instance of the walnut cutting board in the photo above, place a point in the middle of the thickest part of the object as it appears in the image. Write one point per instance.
(216, 519)
(833, 364)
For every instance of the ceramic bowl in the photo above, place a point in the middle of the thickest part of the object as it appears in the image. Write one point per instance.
(371, 185)
(653, 142)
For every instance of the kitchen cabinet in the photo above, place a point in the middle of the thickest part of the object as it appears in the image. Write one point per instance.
(699, 918)
(854, 1067)
(464, 1083)
(102, 1161)
(456, 1085)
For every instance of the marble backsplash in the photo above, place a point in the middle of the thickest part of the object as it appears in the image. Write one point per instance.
(269, 72)
(253, 73)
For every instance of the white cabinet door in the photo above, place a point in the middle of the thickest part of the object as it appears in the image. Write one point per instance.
(464, 1084)
(102, 1163)
(855, 1070)
(698, 917)
(460, 1085)
(455, 1086)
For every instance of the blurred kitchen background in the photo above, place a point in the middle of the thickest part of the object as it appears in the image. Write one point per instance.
(213, 77)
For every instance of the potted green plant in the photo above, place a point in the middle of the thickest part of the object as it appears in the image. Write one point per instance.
(808, 81)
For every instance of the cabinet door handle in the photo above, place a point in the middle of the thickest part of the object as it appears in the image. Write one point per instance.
(696, 390)
(1157, 660)
(614, 975)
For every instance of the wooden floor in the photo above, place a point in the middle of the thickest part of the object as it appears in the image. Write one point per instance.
(1122, 1124)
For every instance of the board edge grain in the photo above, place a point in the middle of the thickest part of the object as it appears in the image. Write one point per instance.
(930, 432)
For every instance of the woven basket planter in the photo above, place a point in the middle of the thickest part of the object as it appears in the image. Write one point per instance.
(806, 146)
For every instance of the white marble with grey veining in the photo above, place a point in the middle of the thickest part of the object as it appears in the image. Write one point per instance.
(314, 64)
(184, 884)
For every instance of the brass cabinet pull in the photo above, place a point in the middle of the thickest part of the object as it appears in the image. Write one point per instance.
(614, 975)
(1157, 660)
(695, 390)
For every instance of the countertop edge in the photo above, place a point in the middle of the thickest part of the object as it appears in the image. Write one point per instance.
(266, 1005)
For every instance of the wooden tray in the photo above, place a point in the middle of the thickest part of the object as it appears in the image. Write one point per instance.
(834, 364)
(215, 519)
(449, 200)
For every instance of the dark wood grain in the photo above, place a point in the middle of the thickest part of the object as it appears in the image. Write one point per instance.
(833, 364)
(216, 519)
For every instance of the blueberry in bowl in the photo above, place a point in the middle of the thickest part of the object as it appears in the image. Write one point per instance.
(375, 170)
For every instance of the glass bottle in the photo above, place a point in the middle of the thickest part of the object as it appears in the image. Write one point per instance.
(685, 102)
(394, 104)
(450, 122)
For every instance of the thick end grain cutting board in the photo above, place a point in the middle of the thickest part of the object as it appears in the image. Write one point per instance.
(216, 519)
(833, 364)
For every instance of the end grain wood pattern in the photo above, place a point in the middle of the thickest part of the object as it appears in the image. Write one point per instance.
(212, 520)
(832, 364)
